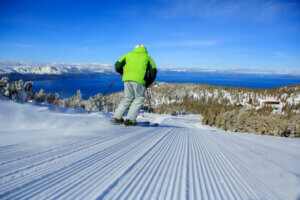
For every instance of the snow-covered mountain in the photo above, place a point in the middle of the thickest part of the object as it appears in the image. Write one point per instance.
(34, 68)
(232, 70)
(26, 68)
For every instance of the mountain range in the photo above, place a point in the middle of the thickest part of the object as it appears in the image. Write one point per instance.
(23, 69)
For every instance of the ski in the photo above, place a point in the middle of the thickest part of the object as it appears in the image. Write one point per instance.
(143, 124)
(147, 124)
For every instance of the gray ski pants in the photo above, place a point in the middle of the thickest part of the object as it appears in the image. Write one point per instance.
(134, 97)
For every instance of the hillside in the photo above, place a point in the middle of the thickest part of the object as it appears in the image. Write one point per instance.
(50, 155)
(227, 108)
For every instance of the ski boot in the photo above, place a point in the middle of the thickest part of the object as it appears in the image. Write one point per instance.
(117, 121)
(129, 122)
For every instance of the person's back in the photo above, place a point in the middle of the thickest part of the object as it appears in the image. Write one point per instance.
(134, 66)
(139, 71)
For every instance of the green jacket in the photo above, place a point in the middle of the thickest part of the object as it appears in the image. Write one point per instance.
(137, 66)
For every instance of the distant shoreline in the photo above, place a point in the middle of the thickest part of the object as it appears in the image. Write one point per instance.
(40, 77)
(47, 77)
(93, 84)
(90, 84)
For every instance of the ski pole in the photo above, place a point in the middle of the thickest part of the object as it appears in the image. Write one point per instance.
(149, 100)
(104, 93)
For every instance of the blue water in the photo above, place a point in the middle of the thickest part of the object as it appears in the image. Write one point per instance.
(92, 86)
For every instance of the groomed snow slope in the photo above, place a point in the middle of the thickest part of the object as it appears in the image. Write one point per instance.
(47, 155)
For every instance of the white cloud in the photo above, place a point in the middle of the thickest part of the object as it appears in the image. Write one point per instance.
(185, 43)
(282, 54)
(22, 45)
(234, 70)
(9, 63)
(242, 9)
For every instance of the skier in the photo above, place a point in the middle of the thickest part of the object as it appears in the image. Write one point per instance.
(139, 72)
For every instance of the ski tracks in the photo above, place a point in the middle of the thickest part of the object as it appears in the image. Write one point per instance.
(147, 163)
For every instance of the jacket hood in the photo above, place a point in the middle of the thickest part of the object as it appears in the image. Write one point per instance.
(141, 49)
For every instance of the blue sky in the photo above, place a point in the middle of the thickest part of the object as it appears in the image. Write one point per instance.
(243, 34)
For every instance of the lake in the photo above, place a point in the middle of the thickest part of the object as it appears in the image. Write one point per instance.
(92, 86)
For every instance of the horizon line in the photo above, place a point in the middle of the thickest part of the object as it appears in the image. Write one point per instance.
(236, 70)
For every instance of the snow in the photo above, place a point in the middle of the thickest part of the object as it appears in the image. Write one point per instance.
(53, 68)
(49, 155)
